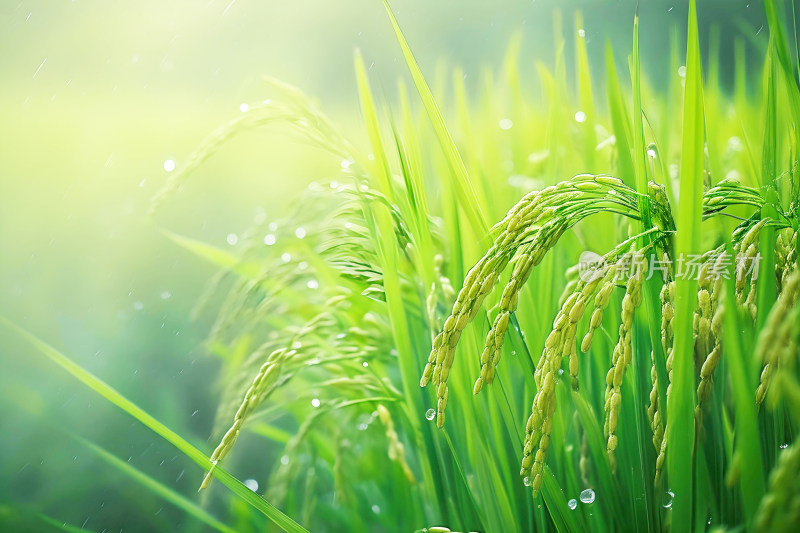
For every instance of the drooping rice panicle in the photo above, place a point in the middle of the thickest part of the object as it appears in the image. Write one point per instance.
(601, 301)
(775, 341)
(667, 297)
(779, 509)
(537, 221)
(621, 356)
(397, 451)
(714, 310)
(267, 376)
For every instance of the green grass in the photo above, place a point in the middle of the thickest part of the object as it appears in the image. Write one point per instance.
(355, 299)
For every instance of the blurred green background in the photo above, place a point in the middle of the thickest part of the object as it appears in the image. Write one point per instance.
(96, 97)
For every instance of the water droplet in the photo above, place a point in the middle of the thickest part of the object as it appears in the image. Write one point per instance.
(232, 238)
(581, 33)
(573, 503)
(580, 116)
(302, 265)
(195, 412)
(527, 481)
(668, 497)
(376, 509)
(251, 484)
(346, 163)
(269, 239)
(312, 284)
(286, 257)
(169, 165)
(138, 305)
(315, 402)
(506, 124)
(784, 445)
(363, 427)
(682, 71)
(300, 233)
(273, 226)
(166, 295)
(587, 496)
(430, 414)
(244, 108)
(513, 352)
(651, 153)
(285, 460)
(365, 364)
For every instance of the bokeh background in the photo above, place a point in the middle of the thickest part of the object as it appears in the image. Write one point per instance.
(97, 98)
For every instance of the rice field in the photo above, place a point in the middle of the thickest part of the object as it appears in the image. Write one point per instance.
(565, 300)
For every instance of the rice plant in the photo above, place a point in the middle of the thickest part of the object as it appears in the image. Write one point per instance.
(573, 309)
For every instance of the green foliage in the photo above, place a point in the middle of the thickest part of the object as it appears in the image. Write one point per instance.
(337, 314)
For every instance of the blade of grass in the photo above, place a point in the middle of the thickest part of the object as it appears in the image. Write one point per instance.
(651, 295)
(178, 500)
(213, 255)
(585, 98)
(747, 445)
(111, 394)
(681, 401)
(619, 120)
(463, 186)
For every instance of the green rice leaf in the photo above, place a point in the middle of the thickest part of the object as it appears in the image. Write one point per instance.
(747, 444)
(463, 186)
(680, 404)
(156, 487)
(111, 394)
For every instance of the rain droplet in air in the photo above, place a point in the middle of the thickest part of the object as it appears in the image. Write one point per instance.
(430, 414)
(587, 496)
